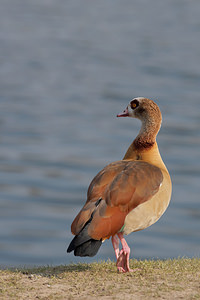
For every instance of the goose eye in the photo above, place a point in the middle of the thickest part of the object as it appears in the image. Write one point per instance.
(134, 104)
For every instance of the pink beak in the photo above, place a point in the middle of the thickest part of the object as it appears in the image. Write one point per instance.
(124, 114)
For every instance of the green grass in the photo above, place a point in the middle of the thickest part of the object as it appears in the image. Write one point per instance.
(152, 279)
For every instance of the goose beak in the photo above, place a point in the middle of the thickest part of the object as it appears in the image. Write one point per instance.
(124, 114)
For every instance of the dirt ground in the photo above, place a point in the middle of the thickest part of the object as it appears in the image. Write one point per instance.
(170, 279)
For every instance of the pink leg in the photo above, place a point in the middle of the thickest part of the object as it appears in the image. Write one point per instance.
(115, 243)
(123, 257)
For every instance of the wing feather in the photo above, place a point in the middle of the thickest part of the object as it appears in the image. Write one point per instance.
(113, 193)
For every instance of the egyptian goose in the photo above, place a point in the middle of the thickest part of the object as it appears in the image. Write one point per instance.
(127, 195)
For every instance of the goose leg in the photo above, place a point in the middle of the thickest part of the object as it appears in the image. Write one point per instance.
(123, 257)
(115, 243)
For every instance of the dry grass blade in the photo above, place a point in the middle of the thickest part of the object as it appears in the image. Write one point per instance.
(152, 279)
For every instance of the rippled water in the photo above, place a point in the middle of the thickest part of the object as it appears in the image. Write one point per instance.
(67, 68)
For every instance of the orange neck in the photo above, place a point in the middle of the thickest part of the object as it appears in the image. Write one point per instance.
(150, 154)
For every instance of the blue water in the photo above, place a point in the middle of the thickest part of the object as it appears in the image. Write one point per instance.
(67, 68)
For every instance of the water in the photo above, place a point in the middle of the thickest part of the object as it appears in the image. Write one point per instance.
(67, 68)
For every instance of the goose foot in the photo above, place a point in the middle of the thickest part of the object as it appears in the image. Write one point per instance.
(123, 255)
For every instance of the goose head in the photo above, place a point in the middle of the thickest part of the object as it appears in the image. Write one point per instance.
(143, 109)
(149, 113)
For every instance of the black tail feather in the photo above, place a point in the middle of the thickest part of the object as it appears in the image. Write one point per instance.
(79, 239)
(89, 248)
(83, 245)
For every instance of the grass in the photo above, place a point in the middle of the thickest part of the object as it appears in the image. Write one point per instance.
(152, 279)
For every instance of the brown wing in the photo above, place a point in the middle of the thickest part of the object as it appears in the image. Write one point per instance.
(113, 193)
